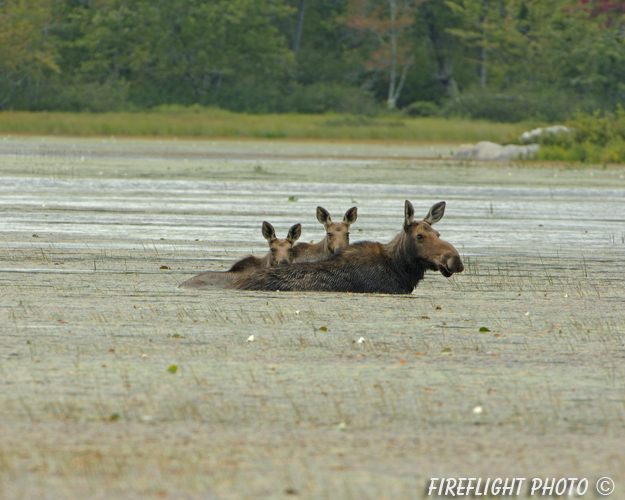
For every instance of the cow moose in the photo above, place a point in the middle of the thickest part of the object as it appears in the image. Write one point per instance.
(367, 267)
(280, 253)
(337, 236)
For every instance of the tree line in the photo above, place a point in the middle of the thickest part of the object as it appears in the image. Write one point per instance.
(504, 60)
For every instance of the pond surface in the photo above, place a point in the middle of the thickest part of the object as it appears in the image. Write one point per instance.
(116, 382)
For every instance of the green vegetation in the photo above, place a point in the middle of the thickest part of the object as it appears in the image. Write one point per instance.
(597, 138)
(211, 122)
(499, 60)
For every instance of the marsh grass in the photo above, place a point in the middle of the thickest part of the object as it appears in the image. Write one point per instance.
(536, 274)
(217, 123)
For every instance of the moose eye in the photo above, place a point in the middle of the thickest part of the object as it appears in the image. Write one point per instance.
(273, 250)
(419, 237)
(329, 235)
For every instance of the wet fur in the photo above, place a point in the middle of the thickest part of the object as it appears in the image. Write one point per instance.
(365, 267)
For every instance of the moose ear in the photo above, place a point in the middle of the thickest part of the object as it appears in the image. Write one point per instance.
(408, 214)
(350, 216)
(436, 213)
(269, 232)
(323, 216)
(294, 233)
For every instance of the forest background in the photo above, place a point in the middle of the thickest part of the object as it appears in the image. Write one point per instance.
(500, 60)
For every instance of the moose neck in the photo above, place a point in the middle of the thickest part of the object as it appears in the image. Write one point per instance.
(405, 259)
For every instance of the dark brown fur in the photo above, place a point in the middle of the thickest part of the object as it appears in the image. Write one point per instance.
(367, 267)
(337, 237)
(280, 253)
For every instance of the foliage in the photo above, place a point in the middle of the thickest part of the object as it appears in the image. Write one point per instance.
(598, 138)
(390, 23)
(324, 97)
(170, 51)
(501, 60)
(515, 105)
(26, 54)
(421, 109)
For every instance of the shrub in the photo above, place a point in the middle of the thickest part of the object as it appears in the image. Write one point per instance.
(249, 97)
(598, 138)
(512, 106)
(421, 109)
(320, 98)
(58, 95)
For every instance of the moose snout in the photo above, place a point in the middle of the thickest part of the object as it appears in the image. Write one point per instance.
(451, 264)
(283, 262)
(454, 264)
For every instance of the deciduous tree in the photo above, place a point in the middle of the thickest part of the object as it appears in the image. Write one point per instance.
(390, 23)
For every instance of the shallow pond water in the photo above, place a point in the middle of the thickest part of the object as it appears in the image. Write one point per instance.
(116, 382)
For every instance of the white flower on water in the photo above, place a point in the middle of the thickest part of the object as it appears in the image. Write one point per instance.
(250, 338)
(361, 340)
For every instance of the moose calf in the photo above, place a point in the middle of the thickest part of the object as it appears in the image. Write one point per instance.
(337, 236)
(280, 252)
